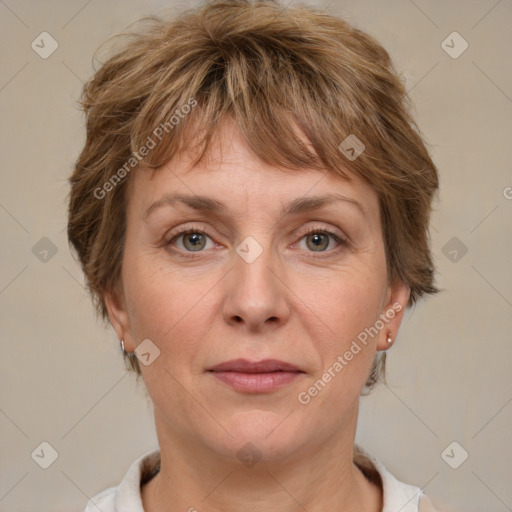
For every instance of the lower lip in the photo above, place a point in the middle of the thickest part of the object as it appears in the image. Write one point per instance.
(257, 382)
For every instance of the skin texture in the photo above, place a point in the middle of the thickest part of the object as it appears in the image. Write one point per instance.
(285, 305)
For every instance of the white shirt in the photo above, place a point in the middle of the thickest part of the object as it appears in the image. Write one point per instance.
(126, 497)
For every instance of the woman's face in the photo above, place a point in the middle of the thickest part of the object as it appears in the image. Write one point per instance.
(249, 282)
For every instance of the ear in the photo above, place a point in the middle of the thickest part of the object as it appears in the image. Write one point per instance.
(118, 316)
(392, 314)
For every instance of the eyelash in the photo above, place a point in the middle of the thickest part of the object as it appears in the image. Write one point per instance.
(302, 233)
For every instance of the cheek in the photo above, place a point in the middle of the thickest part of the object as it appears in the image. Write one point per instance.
(340, 307)
(169, 307)
(344, 351)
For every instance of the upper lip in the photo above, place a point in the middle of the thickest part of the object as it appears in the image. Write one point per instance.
(246, 366)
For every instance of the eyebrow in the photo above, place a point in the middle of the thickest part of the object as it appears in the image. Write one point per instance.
(209, 204)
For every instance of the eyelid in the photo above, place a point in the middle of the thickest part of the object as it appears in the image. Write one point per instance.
(178, 232)
(305, 230)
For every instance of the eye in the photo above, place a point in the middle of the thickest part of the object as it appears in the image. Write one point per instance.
(191, 239)
(318, 240)
(194, 239)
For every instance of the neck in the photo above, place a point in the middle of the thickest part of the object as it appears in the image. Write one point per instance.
(194, 478)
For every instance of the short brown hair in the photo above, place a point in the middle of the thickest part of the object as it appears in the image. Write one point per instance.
(272, 70)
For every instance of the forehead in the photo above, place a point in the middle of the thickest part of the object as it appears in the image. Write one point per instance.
(233, 175)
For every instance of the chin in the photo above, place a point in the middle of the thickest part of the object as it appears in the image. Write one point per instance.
(260, 434)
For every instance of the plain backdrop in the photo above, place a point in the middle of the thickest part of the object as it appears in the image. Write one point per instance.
(449, 374)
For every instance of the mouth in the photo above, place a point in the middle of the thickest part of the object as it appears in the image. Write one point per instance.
(256, 376)
(245, 366)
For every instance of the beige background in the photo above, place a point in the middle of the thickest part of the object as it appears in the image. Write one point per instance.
(449, 375)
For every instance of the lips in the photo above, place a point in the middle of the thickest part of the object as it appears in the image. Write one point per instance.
(264, 376)
(245, 366)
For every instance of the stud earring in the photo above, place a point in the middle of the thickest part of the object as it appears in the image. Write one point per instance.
(389, 339)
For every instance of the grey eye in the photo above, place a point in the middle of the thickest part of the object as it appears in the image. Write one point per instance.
(317, 242)
(191, 240)
(194, 241)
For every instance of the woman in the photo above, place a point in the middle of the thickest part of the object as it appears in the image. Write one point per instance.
(251, 212)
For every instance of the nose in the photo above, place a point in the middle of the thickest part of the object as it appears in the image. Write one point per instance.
(257, 296)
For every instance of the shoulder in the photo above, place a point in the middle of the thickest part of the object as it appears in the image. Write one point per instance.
(126, 497)
(397, 495)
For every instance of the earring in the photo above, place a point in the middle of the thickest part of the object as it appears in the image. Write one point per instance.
(389, 339)
(125, 352)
